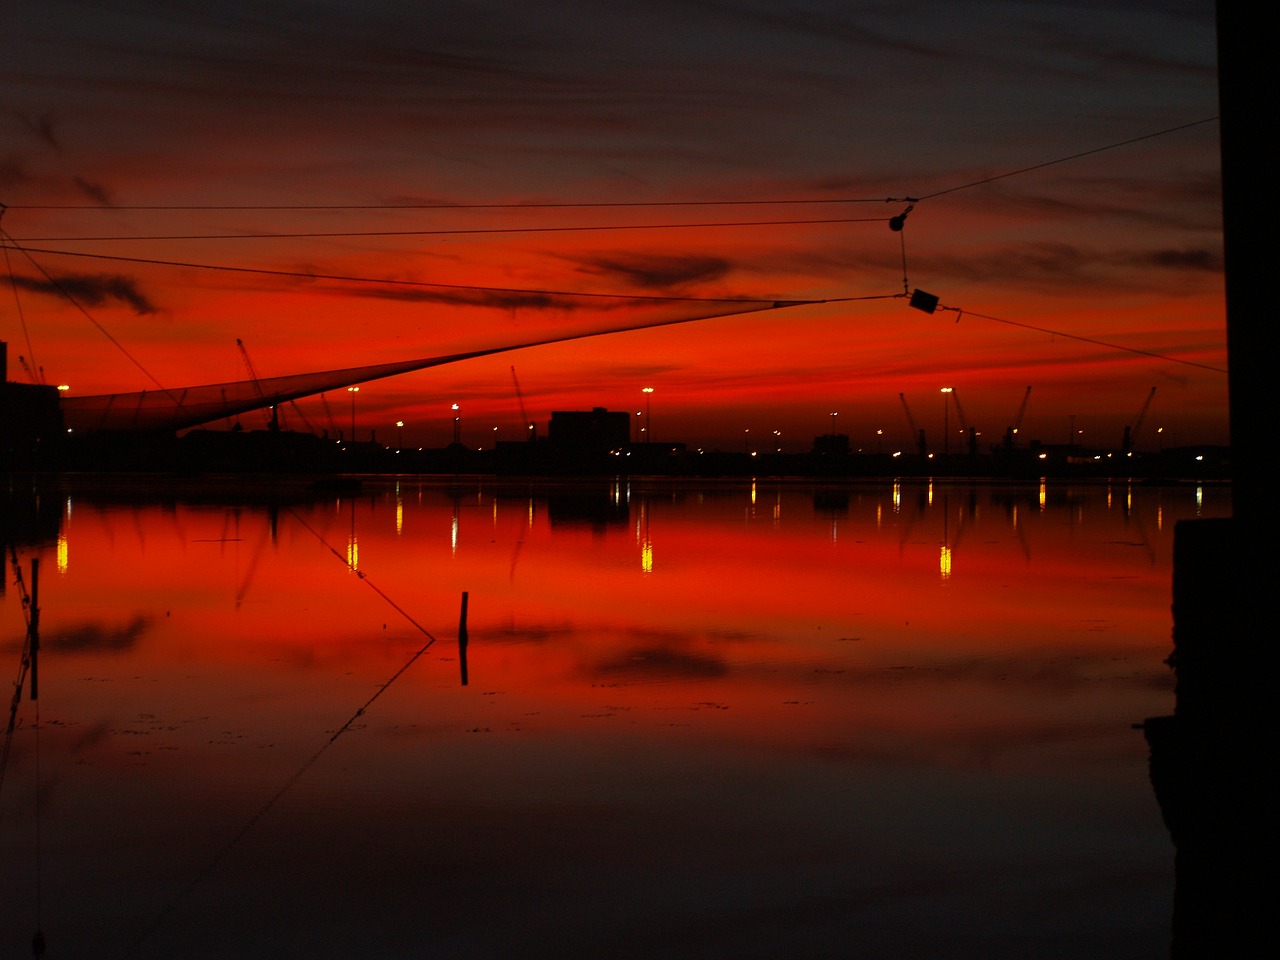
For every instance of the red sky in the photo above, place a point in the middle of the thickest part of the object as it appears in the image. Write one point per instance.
(372, 116)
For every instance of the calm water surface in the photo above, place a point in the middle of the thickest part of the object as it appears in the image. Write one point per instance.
(734, 720)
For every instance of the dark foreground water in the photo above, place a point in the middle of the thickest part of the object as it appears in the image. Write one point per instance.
(735, 720)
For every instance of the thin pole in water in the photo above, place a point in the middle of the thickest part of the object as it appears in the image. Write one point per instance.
(462, 638)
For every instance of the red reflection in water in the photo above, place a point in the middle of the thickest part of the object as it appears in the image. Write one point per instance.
(787, 653)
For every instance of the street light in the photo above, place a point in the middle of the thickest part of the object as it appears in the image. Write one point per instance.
(946, 417)
(648, 422)
(457, 426)
(399, 434)
(353, 391)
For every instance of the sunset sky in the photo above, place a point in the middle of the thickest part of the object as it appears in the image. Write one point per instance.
(537, 162)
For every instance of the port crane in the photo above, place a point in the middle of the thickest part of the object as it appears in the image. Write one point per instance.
(273, 420)
(1011, 432)
(273, 416)
(31, 374)
(1131, 431)
(970, 434)
(524, 415)
(922, 446)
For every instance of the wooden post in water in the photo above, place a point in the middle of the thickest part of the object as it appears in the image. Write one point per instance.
(33, 628)
(462, 638)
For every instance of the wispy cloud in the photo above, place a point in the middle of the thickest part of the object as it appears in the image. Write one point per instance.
(91, 289)
(656, 271)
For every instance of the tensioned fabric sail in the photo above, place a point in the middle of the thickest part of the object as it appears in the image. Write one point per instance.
(182, 407)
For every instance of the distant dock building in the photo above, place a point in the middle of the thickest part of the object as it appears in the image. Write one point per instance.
(596, 431)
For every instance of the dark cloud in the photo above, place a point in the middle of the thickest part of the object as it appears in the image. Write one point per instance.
(96, 636)
(1209, 261)
(665, 663)
(1062, 264)
(471, 297)
(13, 173)
(42, 128)
(91, 289)
(657, 272)
(94, 191)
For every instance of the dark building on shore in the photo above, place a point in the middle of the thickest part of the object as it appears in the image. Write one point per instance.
(588, 432)
(31, 428)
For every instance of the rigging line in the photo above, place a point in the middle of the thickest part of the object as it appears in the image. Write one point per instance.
(75, 303)
(22, 316)
(454, 233)
(902, 237)
(411, 283)
(1074, 156)
(1098, 343)
(454, 206)
(24, 663)
(307, 764)
(360, 573)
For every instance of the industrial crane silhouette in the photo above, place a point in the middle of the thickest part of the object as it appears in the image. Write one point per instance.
(922, 447)
(1131, 431)
(970, 434)
(524, 415)
(1011, 432)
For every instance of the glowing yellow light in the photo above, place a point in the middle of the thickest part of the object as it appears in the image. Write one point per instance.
(944, 562)
(62, 553)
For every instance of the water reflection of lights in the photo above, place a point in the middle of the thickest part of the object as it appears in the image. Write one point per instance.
(944, 562)
(897, 496)
(1044, 495)
(642, 536)
(63, 550)
(353, 553)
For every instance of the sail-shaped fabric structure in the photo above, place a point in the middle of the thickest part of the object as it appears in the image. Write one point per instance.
(168, 410)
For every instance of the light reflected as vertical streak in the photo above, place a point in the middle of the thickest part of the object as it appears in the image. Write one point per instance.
(944, 562)
(897, 497)
(64, 554)
(642, 533)
(353, 544)
(1044, 495)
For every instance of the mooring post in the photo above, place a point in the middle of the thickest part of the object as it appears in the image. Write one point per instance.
(33, 628)
(462, 638)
